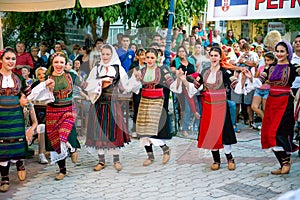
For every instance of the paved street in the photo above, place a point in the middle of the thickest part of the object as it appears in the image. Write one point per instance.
(186, 176)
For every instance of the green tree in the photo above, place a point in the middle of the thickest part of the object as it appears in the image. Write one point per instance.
(291, 24)
(34, 27)
(155, 13)
(89, 16)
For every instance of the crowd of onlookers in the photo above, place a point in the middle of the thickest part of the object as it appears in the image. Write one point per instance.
(188, 52)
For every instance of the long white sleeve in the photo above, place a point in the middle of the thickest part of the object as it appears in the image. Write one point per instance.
(94, 86)
(129, 85)
(41, 93)
(192, 91)
(174, 88)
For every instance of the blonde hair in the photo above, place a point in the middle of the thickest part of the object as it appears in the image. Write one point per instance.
(38, 69)
(272, 38)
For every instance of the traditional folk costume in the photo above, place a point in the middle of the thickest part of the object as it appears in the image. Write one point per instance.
(216, 129)
(107, 129)
(278, 123)
(12, 127)
(61, 137)
(152, 120)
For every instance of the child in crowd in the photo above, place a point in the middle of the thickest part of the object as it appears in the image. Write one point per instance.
(25, 73)
(33, 129)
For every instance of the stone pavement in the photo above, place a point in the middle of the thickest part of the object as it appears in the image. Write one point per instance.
(186, 176)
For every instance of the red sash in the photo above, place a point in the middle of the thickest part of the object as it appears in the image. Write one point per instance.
(152, 93)
(213, 119)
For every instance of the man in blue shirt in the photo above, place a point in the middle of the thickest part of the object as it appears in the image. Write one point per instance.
(126, 55)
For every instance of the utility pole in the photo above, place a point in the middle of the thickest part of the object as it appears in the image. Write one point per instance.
(169, 34)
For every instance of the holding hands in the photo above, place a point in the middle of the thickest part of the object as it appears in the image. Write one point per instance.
(247, 74)
(138, 75)
(181, 75)
(50, 84)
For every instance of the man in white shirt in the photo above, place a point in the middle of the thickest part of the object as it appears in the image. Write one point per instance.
(216, 37)
(296, 54)
(95, 55)
(295, 86)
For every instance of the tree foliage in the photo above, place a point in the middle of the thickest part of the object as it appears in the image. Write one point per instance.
(155, 13)
(34, 27)
(89, 16)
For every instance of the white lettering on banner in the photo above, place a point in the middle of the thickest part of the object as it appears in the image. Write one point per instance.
(271, 4)
(267, 9)
(252, 9)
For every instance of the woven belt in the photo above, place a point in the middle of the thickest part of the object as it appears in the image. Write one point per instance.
(12, 140)
(10, 106)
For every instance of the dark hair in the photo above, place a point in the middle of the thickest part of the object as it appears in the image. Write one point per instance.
(133, 44)
(21, 42)
(152, 50)
(57, 43)
(120, 34)
(87, 49)
(107, 46)
(182, 48)
(125, 36)
(157, 35)
(242, 38)
(43, 43)
(76, 47)
(298, 36)
(282, 44)
(194, 28)
(160, 52)
(7, 49)
(98, 40)
(246, 46)
(26, 67)
(138, 52)
(186, 40)
(80, 61)
(288, 47)
(217, 49)
(190, 36)
(154, 44)
(227, 35)
(271, 56)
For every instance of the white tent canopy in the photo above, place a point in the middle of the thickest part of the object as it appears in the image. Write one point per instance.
(47, 5)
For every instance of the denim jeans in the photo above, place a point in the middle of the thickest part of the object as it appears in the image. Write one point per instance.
(199, 109)
(232, 110)
(187, 114)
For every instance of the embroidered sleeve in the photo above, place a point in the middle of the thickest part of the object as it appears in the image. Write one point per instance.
(167, 76)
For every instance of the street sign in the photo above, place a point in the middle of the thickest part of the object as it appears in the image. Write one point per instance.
(278, 26)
